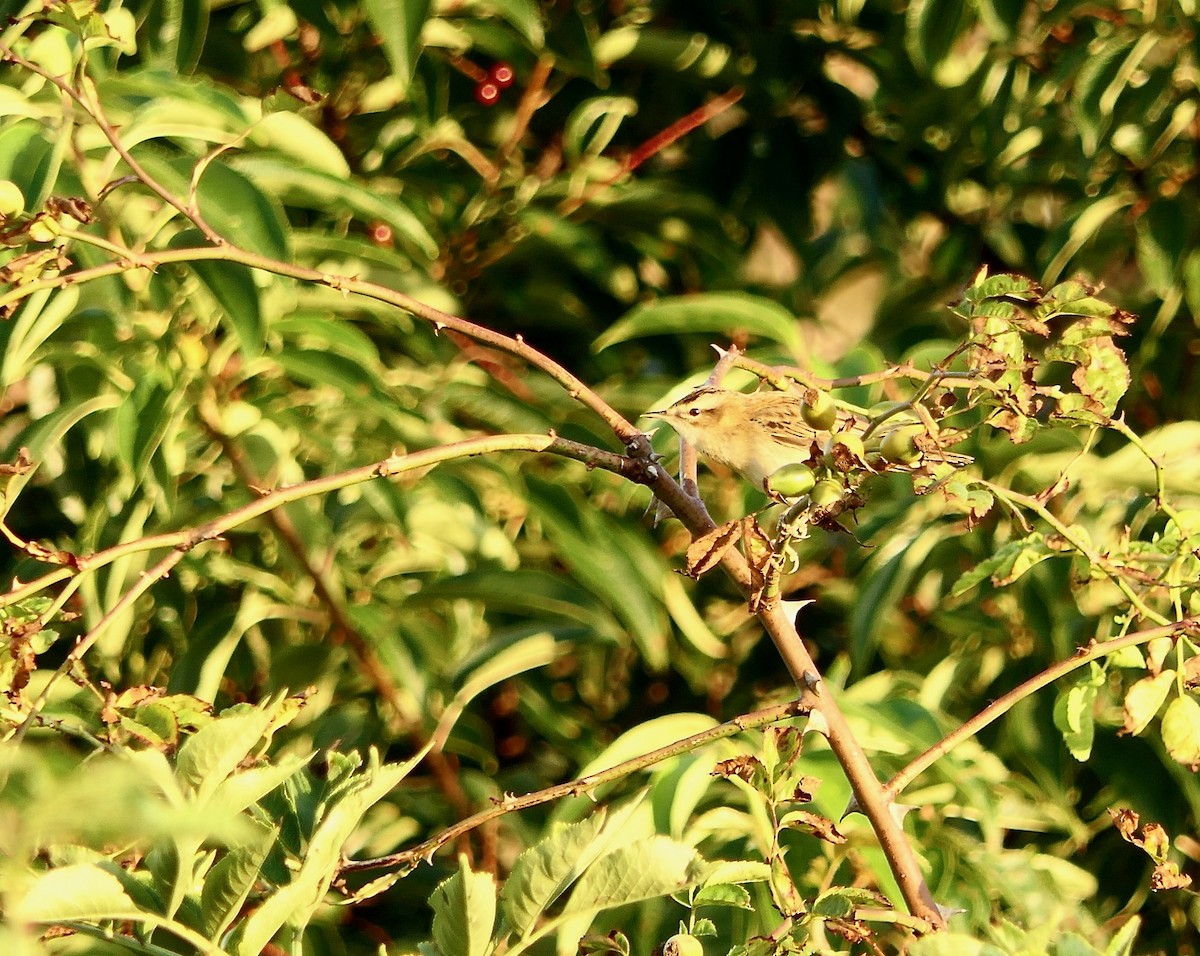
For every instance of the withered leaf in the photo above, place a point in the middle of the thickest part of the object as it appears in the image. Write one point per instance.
(705, 552)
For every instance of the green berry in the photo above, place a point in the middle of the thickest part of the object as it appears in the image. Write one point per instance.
(900, 445)
(826, 493)
(819, 411)
(792, 481)
(850, 441)
(681, 944)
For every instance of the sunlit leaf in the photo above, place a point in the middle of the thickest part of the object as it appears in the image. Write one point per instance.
(464, 911)
(1144, 698)
(398, 24)
(728, 313)
(82, 891)
(1181, 730)
(646, 869)
(544, 871)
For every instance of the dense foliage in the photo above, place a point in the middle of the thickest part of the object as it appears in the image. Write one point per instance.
(323, 332)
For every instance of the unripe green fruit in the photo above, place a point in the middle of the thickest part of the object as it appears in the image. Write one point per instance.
(818, 411)
(11, 200)
(900, 445)
(681, 944)
(826, 493)
(792, 481)
(851, 441)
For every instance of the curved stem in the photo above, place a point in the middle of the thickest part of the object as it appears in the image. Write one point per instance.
(94, 111)
(1002, 705)
(188, 538)
(514, 345)
(1013, 498)
(582, 785)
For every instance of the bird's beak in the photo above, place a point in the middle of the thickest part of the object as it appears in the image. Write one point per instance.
(660, 413)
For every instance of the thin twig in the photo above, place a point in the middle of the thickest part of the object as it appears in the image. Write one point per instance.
(514, 345)
(387, 468)
(532, 99)
(147, 579)
(94, 110)
(653, 145)
(510, 804)
(1002, 705)
(368, 660)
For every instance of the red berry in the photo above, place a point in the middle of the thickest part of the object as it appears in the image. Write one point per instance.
(502, 75)
(381, 234)
(486, 94)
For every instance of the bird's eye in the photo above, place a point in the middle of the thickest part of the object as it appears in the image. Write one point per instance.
(694, 412)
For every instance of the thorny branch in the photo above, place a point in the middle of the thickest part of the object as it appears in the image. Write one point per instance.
(689, 509)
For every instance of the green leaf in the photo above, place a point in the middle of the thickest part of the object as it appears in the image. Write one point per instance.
(333, 195)
(20, 143)
(233, 286)
(175, 31)
(523, 15)
(1006, 565)
(275, 25)
(1181, 730)
(729, 313)
(241, 789)
(319, 331)
(891, 570)
(723, 894)
(295, 902)
(931, 29)
(544, 871)
(527, 591)
(47, 432)
(211, 754)
(953, 944)
(841, 902)
(609, 558)
(985, 286)
(228, 884)
(237, 209)
(39, 317)
(294, 136)
(644, 870)
(45, 170)
(464, 912)
(141, 423)
(81, 891)
(1095, 79)
(1191, 281)
(605, 113)
(737, 871)
(647, 736)
(506, 658)
(1074, 712)
(1002, 17)
(398, 24)
(326, 368)
(1162, 244)
(1144, 698)
(1122, 943)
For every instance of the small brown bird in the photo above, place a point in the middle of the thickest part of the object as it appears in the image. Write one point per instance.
(754, 434)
